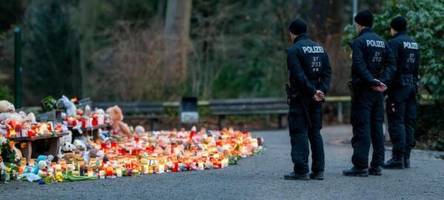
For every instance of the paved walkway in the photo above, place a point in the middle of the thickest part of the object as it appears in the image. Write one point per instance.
(259, 177)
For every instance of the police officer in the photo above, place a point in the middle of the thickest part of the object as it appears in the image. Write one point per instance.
(401, 101)
(372, 69)
(309, 80)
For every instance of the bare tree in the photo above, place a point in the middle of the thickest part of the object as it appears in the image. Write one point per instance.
(177, 25)
(129, 69)
(326, 26)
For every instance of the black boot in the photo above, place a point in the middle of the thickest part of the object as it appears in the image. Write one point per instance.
(355, 172)
(394, 163)
(375, 171)
(406, 163)
(294, 176)
(317, 176)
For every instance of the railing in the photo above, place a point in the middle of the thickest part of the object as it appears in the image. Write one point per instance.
(221, 107)
(154, 111)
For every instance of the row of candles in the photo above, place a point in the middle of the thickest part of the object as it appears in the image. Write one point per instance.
(168, 151)
(15, 128)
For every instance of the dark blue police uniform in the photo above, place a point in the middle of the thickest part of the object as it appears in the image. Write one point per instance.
(309, 70)
(401, 101)
(372, 63)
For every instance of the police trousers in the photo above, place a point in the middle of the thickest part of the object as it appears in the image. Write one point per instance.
(305, 123)
(401, 114)
(367, 116)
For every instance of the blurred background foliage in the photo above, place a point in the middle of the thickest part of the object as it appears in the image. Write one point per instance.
(107, 49)
(123, 50)
(425, 25)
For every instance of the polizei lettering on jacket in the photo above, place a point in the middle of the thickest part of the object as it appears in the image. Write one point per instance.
(312, 49)
(375, 43)
(410, 45)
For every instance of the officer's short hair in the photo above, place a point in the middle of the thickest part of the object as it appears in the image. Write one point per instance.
(399, 23)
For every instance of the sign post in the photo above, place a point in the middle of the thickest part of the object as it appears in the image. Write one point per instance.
(17, 68)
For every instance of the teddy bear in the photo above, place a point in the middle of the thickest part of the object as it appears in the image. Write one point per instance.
(66, 144)
(117, 125)
(68, 105)
(6, 106)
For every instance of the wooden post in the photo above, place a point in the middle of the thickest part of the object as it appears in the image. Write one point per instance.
(29, 151)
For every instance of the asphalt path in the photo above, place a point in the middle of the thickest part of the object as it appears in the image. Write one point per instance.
(259, 177)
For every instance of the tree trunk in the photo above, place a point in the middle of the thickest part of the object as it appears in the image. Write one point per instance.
(87, 28)
(374, 5)
(326, 27)
(177, 25)
(326, 19)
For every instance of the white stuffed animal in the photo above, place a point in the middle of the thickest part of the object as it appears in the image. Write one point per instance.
(68, 147)
(66, 139)
(12, 116)
(18, 154)
(68, 105)
(6, 106)
(19, 117)
(31, 118)
(139, 130)
(80, 145)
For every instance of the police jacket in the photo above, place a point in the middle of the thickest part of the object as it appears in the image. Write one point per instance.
(371, 60)
(406, 54)
(308, 67)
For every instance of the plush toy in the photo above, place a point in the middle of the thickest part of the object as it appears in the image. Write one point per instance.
(2, 166)
(118, 126)
(20, 116)
(100, 116)
(58, 176)
(66, 143)
(15, 121)
(30, 118)
(139, 130)
(104, 135)
(65, 103)
(64, 149)
(17, 152)
(69, 147)
(10, 116)
(80, 145)
(96, 153)
(6, 106)
(42, 162)
(43, 168)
